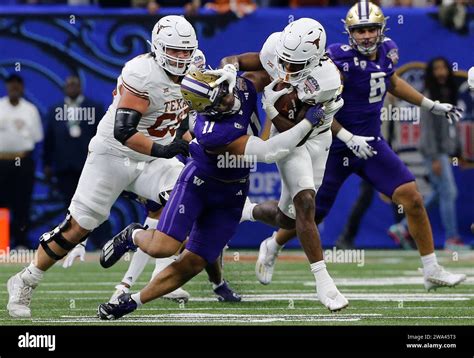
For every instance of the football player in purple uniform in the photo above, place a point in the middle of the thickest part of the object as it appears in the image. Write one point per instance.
(367, 65)
(207, 200)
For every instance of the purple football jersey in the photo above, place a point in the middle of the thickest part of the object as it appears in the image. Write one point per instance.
(213, 133)
(365, 86)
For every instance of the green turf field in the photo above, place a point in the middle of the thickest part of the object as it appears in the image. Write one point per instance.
(386, 290)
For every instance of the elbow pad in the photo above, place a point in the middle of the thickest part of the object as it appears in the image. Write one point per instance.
(126, 122)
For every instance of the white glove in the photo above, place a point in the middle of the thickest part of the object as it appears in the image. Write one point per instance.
(358, 144)
(228, 74)
(270, 97)
(452, 113)
(78, 251)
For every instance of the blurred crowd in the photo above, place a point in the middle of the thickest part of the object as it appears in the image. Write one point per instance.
(154, 5)
(453, 14)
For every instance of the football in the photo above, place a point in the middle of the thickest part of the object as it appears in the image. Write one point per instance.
(289, 104)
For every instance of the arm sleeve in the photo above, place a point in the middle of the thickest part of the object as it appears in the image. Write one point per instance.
(279, 146)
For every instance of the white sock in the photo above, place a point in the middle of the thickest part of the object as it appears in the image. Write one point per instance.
(152, 223)
(272, 244)
(247, 212)
(136, 298)
(161, 264)
(134, 233)
(32, 275)
(122, 287)
(429, 261)
(136, 267)
(320, 272)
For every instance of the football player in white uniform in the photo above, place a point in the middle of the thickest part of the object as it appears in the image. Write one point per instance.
(297, 56)
(133, 150)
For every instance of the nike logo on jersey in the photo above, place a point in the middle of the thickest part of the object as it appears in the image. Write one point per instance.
(197, 181)
(238, 125)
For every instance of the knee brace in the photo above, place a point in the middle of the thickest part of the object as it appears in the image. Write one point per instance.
(56, 236)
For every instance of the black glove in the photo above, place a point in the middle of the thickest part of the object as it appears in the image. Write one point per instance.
(178, 146)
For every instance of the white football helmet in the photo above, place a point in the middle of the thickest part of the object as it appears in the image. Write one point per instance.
(303, 43)
(173, 32)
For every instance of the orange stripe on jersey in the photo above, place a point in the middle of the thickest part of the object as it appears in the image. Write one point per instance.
(134, 91)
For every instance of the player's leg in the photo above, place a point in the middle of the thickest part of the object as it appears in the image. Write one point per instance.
(139, 259)
(212, 229)
(176, 220)
(390, 176)
(269, 213)
(173, 276)
(306, 229)
(280, 214)
(220, 286)
(338, 167)
(155, 182)
(211, 232)
(96, 192)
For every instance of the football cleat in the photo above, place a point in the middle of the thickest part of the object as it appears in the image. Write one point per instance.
(19, 297)
(110, 311)
(439, 277)
(330, 297)
(179, 295)
(225, 294)
(121, 243)
(265, 262)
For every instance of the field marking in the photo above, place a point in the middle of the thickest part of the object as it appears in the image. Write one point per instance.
(373, 281)
(382, 281)
(242, 318)
(309, 296)
(286, 308)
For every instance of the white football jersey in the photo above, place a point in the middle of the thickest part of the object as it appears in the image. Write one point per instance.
(146, 79)
(323, 85)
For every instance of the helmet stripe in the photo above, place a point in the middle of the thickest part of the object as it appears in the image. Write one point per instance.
(195, 87)
(189, 89)
(363, 10)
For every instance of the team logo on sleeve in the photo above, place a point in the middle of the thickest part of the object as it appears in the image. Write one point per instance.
(311, 85)
(393, 55)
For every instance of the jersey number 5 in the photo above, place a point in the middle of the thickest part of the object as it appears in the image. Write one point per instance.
(377, 86)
